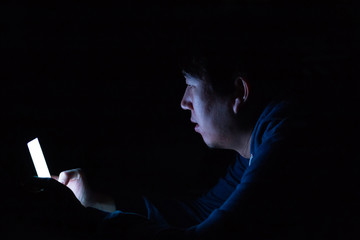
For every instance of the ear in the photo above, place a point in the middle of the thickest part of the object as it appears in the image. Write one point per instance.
(242, 90)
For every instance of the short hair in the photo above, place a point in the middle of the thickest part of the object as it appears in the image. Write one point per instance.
(218, 53)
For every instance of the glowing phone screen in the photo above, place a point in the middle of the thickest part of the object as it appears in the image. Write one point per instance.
(38, 158)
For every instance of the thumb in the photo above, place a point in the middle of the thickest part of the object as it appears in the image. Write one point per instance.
(63, 178)
(66, 176)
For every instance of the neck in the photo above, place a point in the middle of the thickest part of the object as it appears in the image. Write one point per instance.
(244, 143)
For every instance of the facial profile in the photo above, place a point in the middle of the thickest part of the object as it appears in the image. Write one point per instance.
(209, 112)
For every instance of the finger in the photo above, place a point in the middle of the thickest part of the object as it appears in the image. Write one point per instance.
(66, 176)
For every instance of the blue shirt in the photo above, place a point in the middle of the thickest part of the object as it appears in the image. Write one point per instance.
(273, 196)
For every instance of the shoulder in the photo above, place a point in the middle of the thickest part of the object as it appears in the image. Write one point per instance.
(277, 120)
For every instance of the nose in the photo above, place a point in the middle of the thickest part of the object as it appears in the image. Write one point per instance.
(186, 103)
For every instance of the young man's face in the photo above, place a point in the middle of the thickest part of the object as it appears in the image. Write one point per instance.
(209, 112)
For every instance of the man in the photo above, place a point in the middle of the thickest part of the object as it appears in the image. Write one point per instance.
(276, 189)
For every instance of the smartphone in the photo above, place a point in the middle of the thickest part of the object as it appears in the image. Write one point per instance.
(38, 158)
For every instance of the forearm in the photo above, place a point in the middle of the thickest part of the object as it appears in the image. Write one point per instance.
(180, 213)
(103, 202)
(107, 203)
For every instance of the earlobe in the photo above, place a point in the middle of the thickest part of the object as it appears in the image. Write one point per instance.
(236, 105)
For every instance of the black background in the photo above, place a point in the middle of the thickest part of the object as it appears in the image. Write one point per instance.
(99, 85)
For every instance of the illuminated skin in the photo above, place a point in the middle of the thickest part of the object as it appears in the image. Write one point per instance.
(75, 180)
(216, 116)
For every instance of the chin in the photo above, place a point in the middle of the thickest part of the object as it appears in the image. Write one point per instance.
(212, 144)
(212, 147)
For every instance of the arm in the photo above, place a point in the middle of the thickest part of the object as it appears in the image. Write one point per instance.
(172, 211)
(186, 213)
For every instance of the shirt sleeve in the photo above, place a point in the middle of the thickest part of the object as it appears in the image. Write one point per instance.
(186, 213)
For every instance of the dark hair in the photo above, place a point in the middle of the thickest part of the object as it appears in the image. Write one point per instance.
(218, 53)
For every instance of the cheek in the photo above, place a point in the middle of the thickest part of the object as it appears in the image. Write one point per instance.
(205, 109)
(202, 112)
(207, 122)
(216, 118)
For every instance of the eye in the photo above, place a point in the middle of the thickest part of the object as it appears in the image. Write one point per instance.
(189, 87)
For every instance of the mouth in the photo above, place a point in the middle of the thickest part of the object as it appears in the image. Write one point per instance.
(196, 128)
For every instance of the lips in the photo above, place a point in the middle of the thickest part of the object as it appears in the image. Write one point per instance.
(196, 128)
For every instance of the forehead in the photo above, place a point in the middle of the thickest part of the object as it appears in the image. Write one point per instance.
(201, 84)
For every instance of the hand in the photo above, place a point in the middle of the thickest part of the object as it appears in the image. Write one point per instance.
(75, 180)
